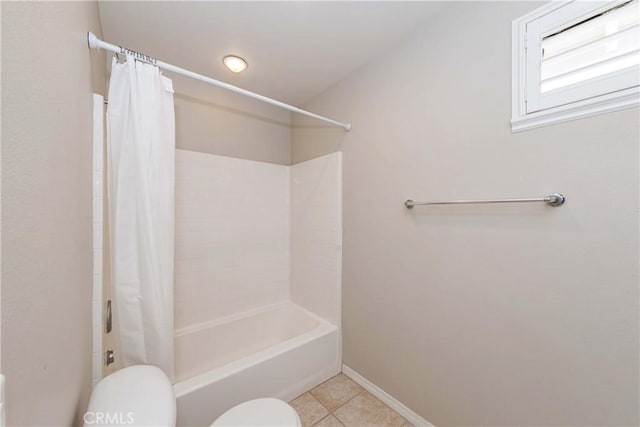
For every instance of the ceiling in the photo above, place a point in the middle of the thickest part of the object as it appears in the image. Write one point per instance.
(295, 50)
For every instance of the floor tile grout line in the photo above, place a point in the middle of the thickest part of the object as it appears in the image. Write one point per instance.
(317, 401)
(342, 404)
(327, 380)
(358, 394)
(350, 399)
(320, 420)
(332, 378)
(330, 414)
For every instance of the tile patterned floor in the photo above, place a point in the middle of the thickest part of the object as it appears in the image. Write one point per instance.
(340, 402)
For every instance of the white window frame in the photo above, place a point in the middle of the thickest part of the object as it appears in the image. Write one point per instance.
(520, 119)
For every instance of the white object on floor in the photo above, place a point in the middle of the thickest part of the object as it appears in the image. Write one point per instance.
(142, 395)
(260, 412)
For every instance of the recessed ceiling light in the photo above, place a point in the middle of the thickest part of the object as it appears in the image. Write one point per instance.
(235, 63)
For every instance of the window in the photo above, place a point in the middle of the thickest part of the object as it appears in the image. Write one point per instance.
(575, 59)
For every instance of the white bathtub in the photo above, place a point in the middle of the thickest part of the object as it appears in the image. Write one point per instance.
(277, 351)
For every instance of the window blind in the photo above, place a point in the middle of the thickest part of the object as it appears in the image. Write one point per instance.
(603, 44)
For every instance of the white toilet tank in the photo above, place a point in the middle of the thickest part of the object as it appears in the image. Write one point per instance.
(139, 395)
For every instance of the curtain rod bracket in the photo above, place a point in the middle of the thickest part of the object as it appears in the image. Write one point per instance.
(92, 40)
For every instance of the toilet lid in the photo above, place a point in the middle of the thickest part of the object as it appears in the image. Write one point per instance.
(260, 412)
(139, 395)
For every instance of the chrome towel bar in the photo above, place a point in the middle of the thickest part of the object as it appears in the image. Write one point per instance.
(553, 199)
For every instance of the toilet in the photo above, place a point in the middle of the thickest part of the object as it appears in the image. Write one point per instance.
(142, 395)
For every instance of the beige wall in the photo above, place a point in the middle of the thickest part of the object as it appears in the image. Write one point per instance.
(494, 315)
(212, 120)
(48, 75)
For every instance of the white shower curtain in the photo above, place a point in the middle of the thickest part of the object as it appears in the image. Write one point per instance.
(141, 153)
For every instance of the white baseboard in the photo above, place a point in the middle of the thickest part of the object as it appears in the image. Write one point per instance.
(389, 400)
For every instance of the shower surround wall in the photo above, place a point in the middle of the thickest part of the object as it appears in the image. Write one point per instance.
(232, 236)
(251, 234)
(257, 280)
(316, 235)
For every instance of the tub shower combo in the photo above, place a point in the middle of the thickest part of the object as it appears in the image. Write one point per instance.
(258, 280)
(243, 300)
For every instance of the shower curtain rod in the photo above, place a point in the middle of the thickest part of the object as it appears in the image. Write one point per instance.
(95, 43)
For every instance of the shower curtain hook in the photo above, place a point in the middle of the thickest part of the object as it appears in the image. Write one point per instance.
(123, 51)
